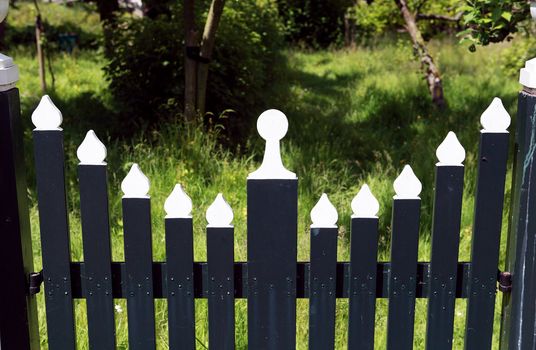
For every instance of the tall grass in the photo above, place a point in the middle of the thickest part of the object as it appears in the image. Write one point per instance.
(355, 117)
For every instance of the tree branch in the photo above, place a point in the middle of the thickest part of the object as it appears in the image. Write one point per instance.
(432, 16)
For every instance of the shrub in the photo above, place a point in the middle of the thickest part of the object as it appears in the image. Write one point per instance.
(146, 70)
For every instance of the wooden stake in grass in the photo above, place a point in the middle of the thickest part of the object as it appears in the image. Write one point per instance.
(40, 54)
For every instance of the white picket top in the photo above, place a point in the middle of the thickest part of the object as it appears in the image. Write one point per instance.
(364, 204)
(178, 204)
(407, 185)
(324, 214)
(135, 184)
(272, 126)
(495, 118)
(47, 116)
(220, 213)
(450, 151)
(91, 151)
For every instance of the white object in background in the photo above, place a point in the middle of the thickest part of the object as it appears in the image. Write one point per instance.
(495, 118)
(220, 213)
(91, 151)
(178, 204)
(135, 184)
(272, 125)
(450, 151)
(324, 213)
(533, 10)
(407, 185)
(527, 75)
(47, 116)
(4, 7)
(364, 204)
(9, 73)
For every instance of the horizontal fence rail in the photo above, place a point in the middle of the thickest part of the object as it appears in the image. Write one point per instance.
(201, 280)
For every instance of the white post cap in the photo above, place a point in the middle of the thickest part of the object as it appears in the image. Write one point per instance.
(135, 184)
(91, 151)
(364, 204)
(220, 213)
(9, 72)
(272, 126)
(178, 204)
(47, 116)
(407, 185)
(495, 118)
(324, 214)
(450, 151)
(527, 75)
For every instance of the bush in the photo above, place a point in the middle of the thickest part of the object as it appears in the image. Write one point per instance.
(146, 70)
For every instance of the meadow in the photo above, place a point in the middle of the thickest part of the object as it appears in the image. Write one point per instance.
(355, 117)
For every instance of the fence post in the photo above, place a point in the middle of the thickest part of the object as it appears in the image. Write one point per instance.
(519, 310)
(18, 313)
(272, 207)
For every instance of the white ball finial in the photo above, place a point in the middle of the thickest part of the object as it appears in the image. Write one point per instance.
(407, 185)
(91, 151)
(364, 204)
(272, 125)
(135, 184)
(495, 118)
(47, 116)
(324, 213)
(178, 204)
(220, 213)
(450, 151)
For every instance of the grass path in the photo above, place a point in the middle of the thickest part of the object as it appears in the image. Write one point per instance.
(354, 117)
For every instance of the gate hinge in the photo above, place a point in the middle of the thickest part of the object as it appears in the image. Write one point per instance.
(36, 278)
(505, 281)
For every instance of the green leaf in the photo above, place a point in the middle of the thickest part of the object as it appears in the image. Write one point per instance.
(507, 16)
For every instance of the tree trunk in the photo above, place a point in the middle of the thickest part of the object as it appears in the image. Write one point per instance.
(190, 64)
(205, 53)
(107, 9)
(432, 75)
(40, 53)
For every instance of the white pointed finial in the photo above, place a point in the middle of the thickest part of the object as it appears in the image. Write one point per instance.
(91, 151)
(495, 118)
(135, 184)
(220, 213)
(364, 204)
(450, 151)
(407, 185)
(272, 126)
(178, 204)
(324, 213)
(47, 116)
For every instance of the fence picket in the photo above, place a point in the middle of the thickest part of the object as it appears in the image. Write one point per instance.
(445, 244)
(138, 260)
(363, 267)
(54, 225)
(180, 271)
(404, 249)
(489, 198)
(323, 276)
(96, 240)
(220, 261)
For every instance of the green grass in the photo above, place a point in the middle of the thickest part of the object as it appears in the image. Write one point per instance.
(354, 117)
